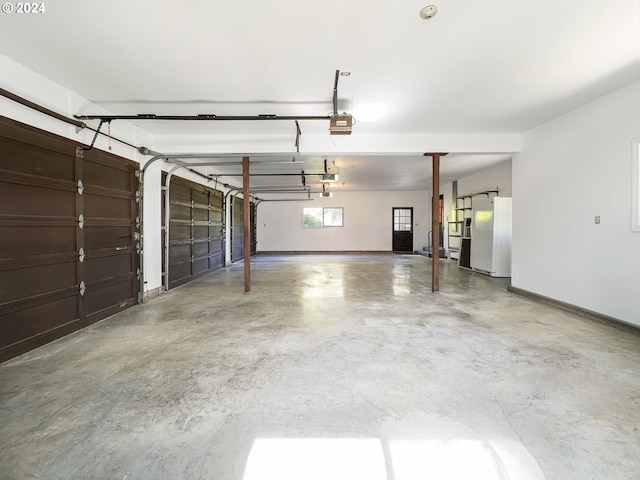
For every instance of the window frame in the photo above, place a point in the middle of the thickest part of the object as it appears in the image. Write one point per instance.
(324, 209)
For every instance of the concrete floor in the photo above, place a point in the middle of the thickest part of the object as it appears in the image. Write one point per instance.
(335, 367)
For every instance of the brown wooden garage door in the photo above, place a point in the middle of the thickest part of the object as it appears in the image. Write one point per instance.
(237, 230)
(68, 237)
(195, 232)
(254, 228)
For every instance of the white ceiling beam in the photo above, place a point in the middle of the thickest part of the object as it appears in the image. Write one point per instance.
(348, 144)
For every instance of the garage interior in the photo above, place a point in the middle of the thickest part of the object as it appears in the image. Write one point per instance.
(261, 258)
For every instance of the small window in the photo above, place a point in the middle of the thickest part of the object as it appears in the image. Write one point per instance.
(322, 217)
(635, 173)
(402, 219)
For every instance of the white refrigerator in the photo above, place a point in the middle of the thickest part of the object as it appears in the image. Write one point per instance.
(491, 236)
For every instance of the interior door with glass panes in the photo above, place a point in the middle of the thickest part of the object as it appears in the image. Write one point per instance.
(403, 229)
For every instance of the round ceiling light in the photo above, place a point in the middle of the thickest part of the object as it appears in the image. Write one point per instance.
(428, 12)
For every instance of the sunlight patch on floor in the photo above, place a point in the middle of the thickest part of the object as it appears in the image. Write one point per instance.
(367, 458)
(316, 459)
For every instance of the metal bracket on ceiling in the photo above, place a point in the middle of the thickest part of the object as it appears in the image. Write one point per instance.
(96, 135)
(298, 133)
(335, 94)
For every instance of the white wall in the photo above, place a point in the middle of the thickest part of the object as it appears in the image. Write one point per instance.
(492, 178)
(367, 223)
(571, 169)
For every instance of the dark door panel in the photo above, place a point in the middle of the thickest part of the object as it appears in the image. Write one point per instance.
(201, 265)
(37, 200)
(237, 230)
(37, 279)
(18, 241)
(403, 242)
(45, 158)
(108, 298)
(180, 212)
(181, 272)
(111, 177)
(180, 231)
(99, 206)
(36, 324)
(216, 260)
(201, 249)
(200, 232)
(99, 237)
(180, 252)
(111, 266)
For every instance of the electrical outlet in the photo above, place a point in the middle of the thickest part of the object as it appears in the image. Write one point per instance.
(596, 219)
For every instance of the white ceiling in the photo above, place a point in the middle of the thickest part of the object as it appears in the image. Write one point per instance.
(497, 66)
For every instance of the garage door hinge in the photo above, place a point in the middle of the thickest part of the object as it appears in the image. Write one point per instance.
(81, 255)
(137, 196)
(81, 221)
(137, 222)
(80, 187)
(79, 152)
(137, 173)
(138, 273)
(83, 288)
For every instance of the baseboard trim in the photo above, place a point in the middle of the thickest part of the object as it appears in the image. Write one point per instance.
(583, 312)
(326, 252)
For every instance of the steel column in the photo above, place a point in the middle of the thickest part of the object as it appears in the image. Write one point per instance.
(435, 223)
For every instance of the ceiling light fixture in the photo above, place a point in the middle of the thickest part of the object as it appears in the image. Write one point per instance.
(325, 192)
(428, 12)
(328, 176)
